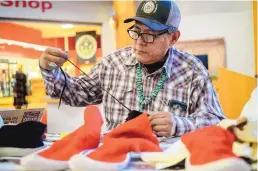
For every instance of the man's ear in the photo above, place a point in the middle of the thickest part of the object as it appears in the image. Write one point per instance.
(175, 37)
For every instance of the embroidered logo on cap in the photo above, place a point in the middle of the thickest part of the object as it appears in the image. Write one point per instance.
(149, 7)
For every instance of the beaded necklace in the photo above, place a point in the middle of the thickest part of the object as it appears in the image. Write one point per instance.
(139, 86)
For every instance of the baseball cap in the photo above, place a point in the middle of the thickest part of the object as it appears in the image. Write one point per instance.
(158, 15)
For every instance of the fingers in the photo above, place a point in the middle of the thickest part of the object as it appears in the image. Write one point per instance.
(53, 55)
(161, 124)
(163, 134)
(57, 52)
(160, 121)
(160, 128)
(160, 115)
(56, 59)
(55, 65)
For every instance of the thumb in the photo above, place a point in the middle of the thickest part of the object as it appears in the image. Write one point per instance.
(150, 117)
(66, 52)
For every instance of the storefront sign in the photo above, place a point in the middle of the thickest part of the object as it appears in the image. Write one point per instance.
(42, 5)
(56, 10)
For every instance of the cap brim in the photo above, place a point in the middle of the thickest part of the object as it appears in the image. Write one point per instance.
(152, 24)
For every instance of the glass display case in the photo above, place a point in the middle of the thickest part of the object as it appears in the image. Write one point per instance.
(7, 81)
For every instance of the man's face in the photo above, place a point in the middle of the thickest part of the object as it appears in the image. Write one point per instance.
(149, 53)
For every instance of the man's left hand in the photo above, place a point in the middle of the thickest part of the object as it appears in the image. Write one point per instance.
(162, 123)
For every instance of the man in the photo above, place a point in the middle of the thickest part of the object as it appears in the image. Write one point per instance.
(150, 76)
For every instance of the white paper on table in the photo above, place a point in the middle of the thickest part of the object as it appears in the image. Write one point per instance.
(65, 119)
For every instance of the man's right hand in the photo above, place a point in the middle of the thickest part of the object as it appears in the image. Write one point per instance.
(50, 56)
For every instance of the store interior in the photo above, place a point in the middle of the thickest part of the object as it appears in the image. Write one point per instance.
(25, 51)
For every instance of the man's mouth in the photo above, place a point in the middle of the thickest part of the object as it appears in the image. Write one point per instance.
(140, 51)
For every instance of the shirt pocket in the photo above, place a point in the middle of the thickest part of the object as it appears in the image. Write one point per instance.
(121, 94)
(175, 101)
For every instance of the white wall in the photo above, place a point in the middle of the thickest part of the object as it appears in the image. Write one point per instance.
(77, 11)
(237, 30)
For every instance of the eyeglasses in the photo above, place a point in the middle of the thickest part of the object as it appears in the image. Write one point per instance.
(146, 37)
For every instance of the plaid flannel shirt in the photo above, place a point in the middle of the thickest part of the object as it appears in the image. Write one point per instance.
(187, 81)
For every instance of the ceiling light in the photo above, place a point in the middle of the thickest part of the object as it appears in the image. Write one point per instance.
(66, 26)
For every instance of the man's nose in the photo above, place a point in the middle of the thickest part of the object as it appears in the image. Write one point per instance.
(140, 41)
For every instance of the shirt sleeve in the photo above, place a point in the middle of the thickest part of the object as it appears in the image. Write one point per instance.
(205, 109)
(79, 91)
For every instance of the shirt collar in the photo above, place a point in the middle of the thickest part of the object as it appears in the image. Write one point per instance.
(168, 63)
(131, 58)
